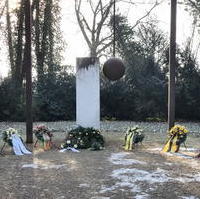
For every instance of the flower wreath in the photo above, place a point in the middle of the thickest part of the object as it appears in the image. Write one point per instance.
(83, 138)
(7, 135)
(133, 136)
(177, 136)
(43, 134)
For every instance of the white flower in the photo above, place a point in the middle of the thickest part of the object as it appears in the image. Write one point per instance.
(68, 141)
(75, 146)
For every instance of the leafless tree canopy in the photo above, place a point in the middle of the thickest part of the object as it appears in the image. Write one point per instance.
(92, 33)
(93, 27)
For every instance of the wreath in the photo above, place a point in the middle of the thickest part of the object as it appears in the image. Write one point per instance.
(7, 135)
(83, 138)
(133, 136)
(177, 136)
(44, 135)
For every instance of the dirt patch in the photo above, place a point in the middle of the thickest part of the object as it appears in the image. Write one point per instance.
(108, 174)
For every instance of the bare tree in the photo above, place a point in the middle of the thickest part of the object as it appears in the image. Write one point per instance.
(92, 28)
(92, 34)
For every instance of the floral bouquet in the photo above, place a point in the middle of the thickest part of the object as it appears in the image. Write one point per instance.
(7, 135)
(133, 136)
(13, 139)
(177, 136)
(43, 134)
(83, 138)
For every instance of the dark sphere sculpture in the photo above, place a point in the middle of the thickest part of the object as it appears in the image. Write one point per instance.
(113, 69)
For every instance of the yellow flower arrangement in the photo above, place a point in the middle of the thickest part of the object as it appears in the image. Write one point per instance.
(178, 130)
(177, 136)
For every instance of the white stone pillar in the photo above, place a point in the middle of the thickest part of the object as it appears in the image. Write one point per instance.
(88, 92)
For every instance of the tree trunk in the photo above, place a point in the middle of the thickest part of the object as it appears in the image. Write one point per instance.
(28, 65)
(172, 64)
(19, 49)
(40, 69)
(9, 39)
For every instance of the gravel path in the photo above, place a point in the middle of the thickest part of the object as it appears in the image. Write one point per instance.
(119, 126)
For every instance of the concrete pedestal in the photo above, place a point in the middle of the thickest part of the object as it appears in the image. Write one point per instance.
(88, 92)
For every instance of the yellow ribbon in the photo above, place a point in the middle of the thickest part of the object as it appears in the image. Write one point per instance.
(129, 142)
(171, 145)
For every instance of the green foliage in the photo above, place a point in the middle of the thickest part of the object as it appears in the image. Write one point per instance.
(55, 101)
(84, 138)
(188, 86)
(54, 98)
(140, 95)
(12, 104)
(142, 92)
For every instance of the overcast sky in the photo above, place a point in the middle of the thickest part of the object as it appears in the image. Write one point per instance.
(76, 46)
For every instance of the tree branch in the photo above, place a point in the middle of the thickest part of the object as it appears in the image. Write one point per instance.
(138, 21)
(2, 11)
(104, 17)
(91, 6)
(85, 22)
(104, 47)
(194, 4)
(105, 38)
(77, 11)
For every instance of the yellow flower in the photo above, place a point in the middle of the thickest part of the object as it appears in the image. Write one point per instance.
(178, 129)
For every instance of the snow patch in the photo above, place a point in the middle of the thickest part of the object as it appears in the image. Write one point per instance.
(134, 179)
(189, 178)
(118, 159)
(142, 196)
(84, 185)
(179, 155)
(131, 178)
(190, 149)
(182, 149)
(105, 189)
(36, 166)
(137, 175)
(168, 163)
(189, 197)
(155, 149)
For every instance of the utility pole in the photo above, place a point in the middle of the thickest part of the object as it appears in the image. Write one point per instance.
(172, 65)
(28, 66)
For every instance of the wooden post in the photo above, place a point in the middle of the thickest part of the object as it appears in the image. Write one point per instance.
(28, 65)
(172, 65)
